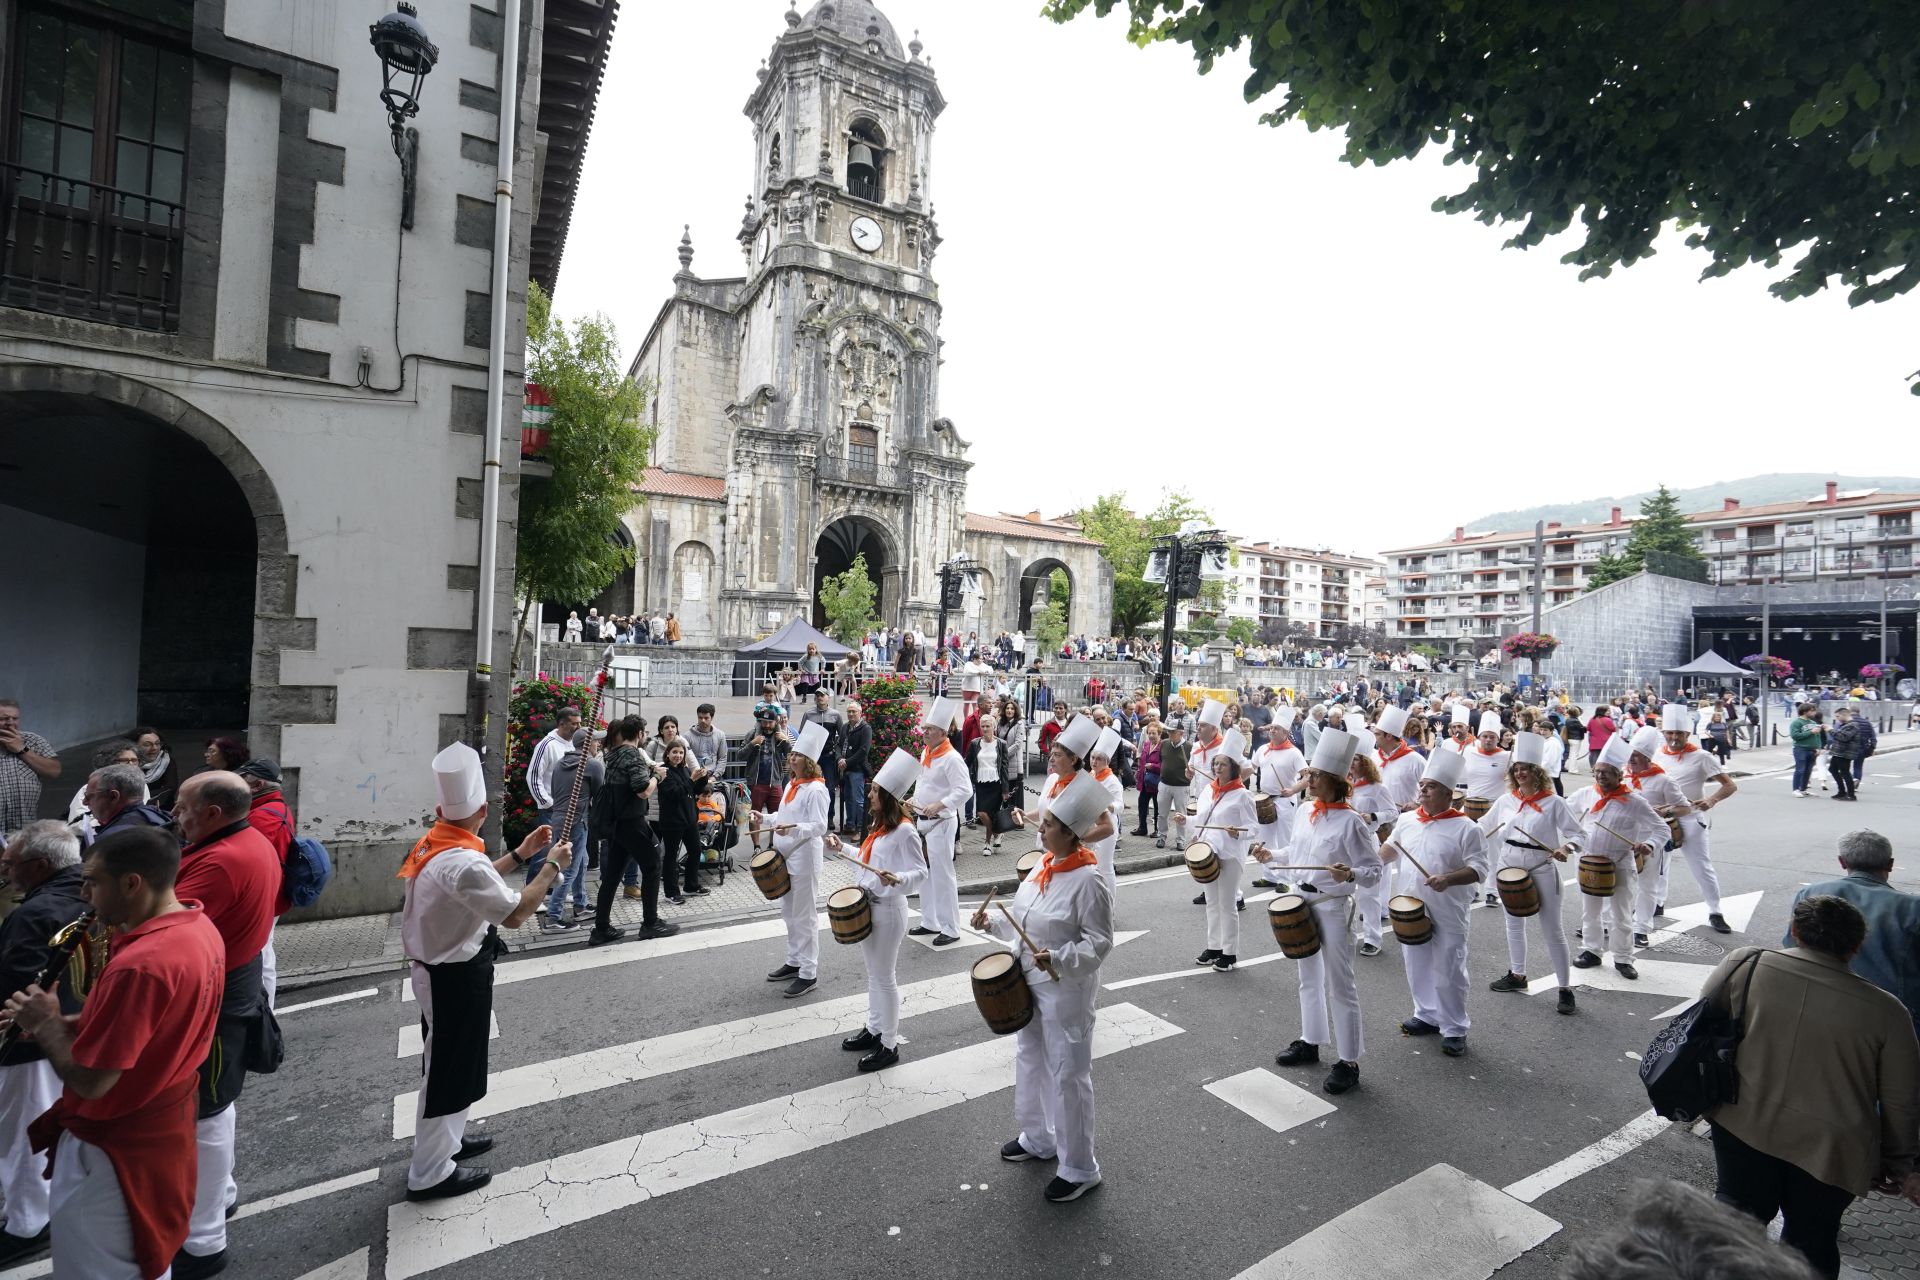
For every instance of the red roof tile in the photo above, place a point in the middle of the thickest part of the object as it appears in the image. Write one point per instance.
(662, 483)
(1025, 527)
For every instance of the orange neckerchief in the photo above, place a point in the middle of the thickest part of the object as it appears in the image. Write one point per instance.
(929, 755)
(1402, 750)
(442, 837)
(793, 789)
(1058, 782)
(1622, 794)
(1426, 818)
(1219, 790)
(1103, 775)
(1081, 857)
(1636, 774)
(1483, 751)
(1321, 806)
(1669, 751)
(866, 846)
(1533, 801)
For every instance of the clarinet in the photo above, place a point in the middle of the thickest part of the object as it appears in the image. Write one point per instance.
(69, 939)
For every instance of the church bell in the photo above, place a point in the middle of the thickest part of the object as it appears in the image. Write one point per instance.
(860, 165)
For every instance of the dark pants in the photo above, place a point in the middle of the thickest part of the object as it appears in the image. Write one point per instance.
(1803, 767)
(1762, 1185)
(622, 849)
(680, 848)
(1148, 800)
(1859, 769)
(1841, 767)
(855, 811)
(830, 774)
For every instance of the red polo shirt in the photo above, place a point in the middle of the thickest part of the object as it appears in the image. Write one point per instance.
(269, 815)
(235, 875)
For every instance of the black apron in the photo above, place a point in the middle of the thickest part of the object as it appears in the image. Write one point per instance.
(462, 994)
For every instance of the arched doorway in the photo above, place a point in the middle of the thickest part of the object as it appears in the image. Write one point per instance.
(141, 586)
(840, 544)
(1040, 582)
(694, 590)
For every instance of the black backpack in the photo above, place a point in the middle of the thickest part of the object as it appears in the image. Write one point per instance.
(1689, 1070)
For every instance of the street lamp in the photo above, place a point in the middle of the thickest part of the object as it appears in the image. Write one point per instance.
(955, 575)
(406, 56)
(1178, 556)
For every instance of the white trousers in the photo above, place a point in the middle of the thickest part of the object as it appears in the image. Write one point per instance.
(940, 897)
(1552, 931)
(27, 1090)
(92, 1234)
(881, 950)
(803, 922)
(1172, 808)
(1053, 1091)
(1699, 852)
(1620, 940)
(435, 1139)
(1372, 904)
(1223, 920)
(213, 1137)
(1437, 975)
(1326, 977)
(1650, 890)
(269, 971)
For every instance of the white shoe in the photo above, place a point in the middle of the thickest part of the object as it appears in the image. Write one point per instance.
(1801, 794)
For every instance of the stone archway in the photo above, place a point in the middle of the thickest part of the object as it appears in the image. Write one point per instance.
(1035, 583)
(842, 540)
(695, 587)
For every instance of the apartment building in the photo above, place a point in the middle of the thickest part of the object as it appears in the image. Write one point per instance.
(1292, 591)
(1462, 594)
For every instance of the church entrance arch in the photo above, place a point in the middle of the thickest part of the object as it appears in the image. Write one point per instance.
(695, 588)
(844, 540)
(1036, 589)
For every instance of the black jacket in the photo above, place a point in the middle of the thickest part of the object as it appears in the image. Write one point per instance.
(678, 811)
(24, 943)
(857, 746)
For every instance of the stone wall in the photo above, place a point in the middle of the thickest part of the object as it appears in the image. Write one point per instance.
(1625, 633)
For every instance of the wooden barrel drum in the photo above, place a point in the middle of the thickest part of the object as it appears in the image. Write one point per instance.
(1000, 990)
(1518, 893)
(1202, 863)
(1293, 926)
(1598, 875)
(769, 868)
(1411, 924)
(850, 912)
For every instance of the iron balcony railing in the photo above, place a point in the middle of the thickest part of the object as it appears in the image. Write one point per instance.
(82, 249)
(873, 474)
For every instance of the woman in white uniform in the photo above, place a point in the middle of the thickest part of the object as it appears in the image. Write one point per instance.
(798, 827)
(1373, 801)
(1101, 762)
(1329, 833)
(1532, 828)
(939, 798)
(1066, 909)
(1621, 826)
(895, 867)
(1063, 766)
(1669, 801)
(1226, 808)
(1448, 858)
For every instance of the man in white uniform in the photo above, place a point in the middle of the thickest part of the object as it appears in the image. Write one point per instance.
(940, 797)
(1653, 782)
(1400, 773)
(799, 827)
(1691, 770)
(1451, 858)
(1486, 776)
(1623, 828)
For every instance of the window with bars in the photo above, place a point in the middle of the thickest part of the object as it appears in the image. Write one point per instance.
(863, 448)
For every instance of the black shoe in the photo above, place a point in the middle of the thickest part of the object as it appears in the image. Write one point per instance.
(1454, 1046)
(659, 929)
(1660, 910)
(1493, 899)
(457, 1183)
(919, 931)
(1298, 1054)
(862, 1042)
(697, 891)
(1718, 923)
(1586, 960)
(1509, 981)
(1418, 1027)
(13, 1248)
(1206, 957)
(945, 940)
(1640, 940)
(800, 987)
(559, 924)
(1627, 970)
(676, 900)
(193, 1266)
(1225, 963)
(1344, 1076)
(1200, 898)
(783, 973)
(601, 937)
(880, 1059)
(1239, 904)
(1369, 948)
(471, 1145)
(1566, 1001)
(1013, 1153)
(1059, 1191)
(1139, 831)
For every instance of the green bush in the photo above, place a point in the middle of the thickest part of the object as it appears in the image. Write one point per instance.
(530, 716)
(894, 712)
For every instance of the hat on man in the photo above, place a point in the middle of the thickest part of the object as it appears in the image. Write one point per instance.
(1461, 714)
(1529, 748)
(1616, 751)
(1648, 742)
(1676, 717)
(1490, 724)
(1080, 804)
(1234, 744)
(1212, 712)
(459, 781)
(1334, 752)
(1078, 737)
(1107, 743)
(265, 768)
(1446, 768)
(898, 774)
(1393, 721)
(1356, 723)
(941, 713)
(812, 741)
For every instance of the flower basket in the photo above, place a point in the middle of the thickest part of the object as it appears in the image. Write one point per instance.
(1882, 671)
(894, 713)
(530, 717)
(1529, 645)
(1771, 668)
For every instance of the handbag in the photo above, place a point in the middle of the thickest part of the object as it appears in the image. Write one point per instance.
(1689, 1070)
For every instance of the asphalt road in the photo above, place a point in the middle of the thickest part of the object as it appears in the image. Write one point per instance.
(765, 1154)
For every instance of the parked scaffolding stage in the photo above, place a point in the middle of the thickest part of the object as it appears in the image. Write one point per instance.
(1827, 641)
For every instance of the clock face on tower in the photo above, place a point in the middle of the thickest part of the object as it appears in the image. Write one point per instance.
(766, 241)
(866, 233)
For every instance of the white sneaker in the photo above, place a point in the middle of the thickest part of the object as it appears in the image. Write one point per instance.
(1801, 794)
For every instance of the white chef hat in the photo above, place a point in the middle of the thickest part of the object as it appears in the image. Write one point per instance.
(1334, 752)
(1080, 804)
(1107, 743)
(1648, 742)
(811, 742)
(1212, 711)
(459, 782)
(941, 713)
(1078, 737)
(1445, 768)
(1490, 723)
(1461, 714)
(1234, 744)
(1355, 722)
(1393, 720)
(1676, 717)
(1616, 751)
(898, 774)
(1529, 748)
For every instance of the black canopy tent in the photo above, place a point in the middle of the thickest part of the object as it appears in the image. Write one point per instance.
(1708, 664)
(752, 662)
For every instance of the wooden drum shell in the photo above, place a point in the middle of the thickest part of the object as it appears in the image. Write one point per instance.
(1000, 991)
(769, 869)
(1266, 809)
(1411, 923)
(850, 912)
(1598, 876)
(1476, 807)
(1518, 893)
(1290, 916)
(1203, 864)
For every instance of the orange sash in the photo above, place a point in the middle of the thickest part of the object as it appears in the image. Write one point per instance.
(1533, 801)
(1426, 818)
(929, 755)
(442, 837)
(1622, 794)
(1081, 857)
(866, 846)
(1321, 806)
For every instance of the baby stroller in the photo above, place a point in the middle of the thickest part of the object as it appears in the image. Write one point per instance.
(718, 830)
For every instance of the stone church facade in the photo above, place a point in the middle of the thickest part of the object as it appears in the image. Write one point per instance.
(797, 405)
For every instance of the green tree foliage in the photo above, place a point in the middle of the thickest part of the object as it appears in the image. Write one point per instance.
(848, 600)
(1050, 626)
(1660, 540)
(597, 446)
(1761, 127)
(1125, 540)
(1240, 630)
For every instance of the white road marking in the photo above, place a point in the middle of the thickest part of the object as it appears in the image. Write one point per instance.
(1738, 910)
(1657, 978)
(362, 994)
(352, 1267)
(1276, 1103)
(299, 1194)
(413, 1043)
(557, 962)
(1641, 1129)
(530, 1201)
(44, 1267)
(1188, 972)
(1440, 1224)
(540, 1083)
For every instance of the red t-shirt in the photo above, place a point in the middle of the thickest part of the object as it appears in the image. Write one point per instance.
(151, 1014)
(269, 815)
(237, 877)
(1599, 729)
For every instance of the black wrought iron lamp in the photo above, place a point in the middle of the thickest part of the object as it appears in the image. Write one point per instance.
(406, 56)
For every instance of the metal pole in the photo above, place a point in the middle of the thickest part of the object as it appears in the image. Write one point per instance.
(1166, 628)
(539, 612)
(945, 570)
(1766, 644)
(1539, 576)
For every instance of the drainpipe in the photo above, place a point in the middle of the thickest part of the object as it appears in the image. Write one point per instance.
(496, 375)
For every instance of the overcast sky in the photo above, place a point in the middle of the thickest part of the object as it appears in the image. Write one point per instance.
(1144, 288)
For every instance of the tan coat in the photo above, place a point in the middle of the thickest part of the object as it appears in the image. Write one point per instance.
(1824, 1049)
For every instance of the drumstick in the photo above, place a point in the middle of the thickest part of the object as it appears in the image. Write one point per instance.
(1029, 941)
(1416, 864)
(1616, 835)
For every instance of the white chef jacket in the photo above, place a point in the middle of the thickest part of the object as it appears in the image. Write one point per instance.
(1691, 770)
(807, 811)
(1373, 800)
(450, 904)
(1486, 774)
(1400, 775)
(1341, 835)
(897, 851)
(1073, 920)
(945, 780)
(1632, 818)
(1658, 786)
(1231, 808)
(1442, 845)
(1554, 824)
(1275, 771)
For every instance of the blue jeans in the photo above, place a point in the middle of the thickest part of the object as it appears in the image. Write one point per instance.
(573, 880)
(542, 819)
(1803, 767)
(856, 810)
